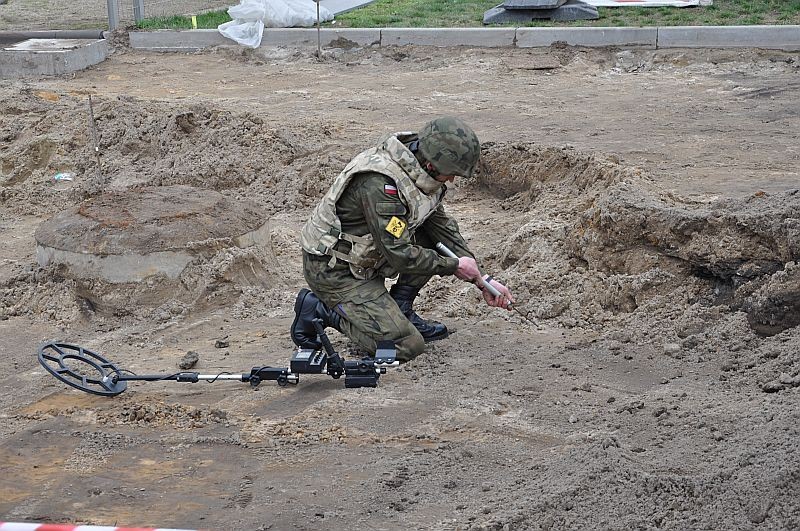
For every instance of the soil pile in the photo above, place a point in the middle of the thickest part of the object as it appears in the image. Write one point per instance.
(590, 242)
(156, 144)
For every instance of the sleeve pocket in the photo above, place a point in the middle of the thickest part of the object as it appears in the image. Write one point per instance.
(390, 208)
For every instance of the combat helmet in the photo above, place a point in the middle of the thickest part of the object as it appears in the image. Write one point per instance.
(450, 145)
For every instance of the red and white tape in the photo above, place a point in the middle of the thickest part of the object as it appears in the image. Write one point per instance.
(10, 526)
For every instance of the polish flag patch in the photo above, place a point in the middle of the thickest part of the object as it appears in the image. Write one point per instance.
(388, 189)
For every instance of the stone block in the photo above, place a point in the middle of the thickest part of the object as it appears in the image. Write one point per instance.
(176, 41)
(328, 38)
(50, 57)
(173, 41)
(536, 37)
(770, 37)
(485, 37)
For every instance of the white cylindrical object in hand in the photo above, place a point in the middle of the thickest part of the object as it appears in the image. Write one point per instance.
(442, 248)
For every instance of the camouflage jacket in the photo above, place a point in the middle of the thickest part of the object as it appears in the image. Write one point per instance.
(370, 214)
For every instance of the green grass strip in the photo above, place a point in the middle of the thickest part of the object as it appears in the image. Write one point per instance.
(469, 13)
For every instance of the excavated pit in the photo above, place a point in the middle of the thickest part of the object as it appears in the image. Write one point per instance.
(611, 241)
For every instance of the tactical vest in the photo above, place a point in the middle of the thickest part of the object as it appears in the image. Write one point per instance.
(417, 190)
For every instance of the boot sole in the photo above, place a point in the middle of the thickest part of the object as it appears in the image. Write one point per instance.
(298, 305)
(436, 338)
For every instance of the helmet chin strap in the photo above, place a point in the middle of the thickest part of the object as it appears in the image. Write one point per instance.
(433, 172)
(426, 165)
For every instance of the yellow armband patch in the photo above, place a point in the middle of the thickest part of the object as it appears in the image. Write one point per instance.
(396, 227)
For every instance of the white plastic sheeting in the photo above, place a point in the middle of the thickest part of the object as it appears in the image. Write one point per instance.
(250, 17)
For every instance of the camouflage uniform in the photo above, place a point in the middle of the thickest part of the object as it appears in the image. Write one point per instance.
(382, 216)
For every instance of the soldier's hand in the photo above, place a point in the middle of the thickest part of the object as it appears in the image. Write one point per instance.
(467, 269)
(505, 300)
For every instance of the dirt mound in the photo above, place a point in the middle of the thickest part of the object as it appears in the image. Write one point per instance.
(591, 240)
(775, 306)
(155, 144)
(158, 144)
(154, 414)
(595, 239)
(43, 293)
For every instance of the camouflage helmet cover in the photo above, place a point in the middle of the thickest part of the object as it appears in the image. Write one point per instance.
(450, 145)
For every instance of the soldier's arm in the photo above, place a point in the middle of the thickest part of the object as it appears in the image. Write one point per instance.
(443, 228)
(386, 218)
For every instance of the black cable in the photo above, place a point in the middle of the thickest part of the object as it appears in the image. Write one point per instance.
(216, 377)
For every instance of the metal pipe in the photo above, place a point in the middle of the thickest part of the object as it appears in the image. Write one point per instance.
(112, 7)
(138, 10)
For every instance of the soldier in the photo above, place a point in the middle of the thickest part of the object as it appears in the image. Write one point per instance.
(382, 217)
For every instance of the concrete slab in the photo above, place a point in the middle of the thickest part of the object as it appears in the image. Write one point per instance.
(50, 57)
(771, 37)
(533, 4)
(574, 10)
(484, 37)
(343, 6)
(7, 38)
(132, 235)
(536, 37)
(571, 10)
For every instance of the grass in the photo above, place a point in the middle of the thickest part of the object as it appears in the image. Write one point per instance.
(469, 13)
(204, 21)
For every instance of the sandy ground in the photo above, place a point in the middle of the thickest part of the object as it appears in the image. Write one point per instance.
(643, 207)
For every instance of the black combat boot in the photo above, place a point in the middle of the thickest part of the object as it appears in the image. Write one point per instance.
(404, 297)
(308, 307)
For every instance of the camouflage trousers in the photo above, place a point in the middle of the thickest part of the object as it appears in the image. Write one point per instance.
(368, 313)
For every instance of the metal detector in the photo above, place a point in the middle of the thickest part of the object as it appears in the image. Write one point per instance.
(92, 373)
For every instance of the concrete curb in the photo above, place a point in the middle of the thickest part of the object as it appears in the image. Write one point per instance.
(484, 37)
(176, 41)
(780, 37)
(533, 37)
(193, 40)
(329, 38)
(771, 37)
